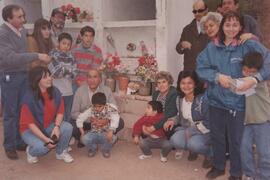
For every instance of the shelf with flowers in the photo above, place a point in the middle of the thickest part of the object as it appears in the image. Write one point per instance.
(75, 14)
(113, 69)
(147, 70)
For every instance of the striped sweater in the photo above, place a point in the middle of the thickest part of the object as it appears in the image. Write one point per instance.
(86, 59)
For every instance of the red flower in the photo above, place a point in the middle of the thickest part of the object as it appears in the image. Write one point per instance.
(63, 8)
(77, 10)
(69, 6)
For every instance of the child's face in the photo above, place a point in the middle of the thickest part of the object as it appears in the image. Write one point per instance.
(64, 45)
(149, 111)
(248, 71)
(98, 107)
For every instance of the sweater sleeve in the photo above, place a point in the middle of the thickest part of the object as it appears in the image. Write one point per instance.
(26, 118)
(76, 105)
(83, 117)
(114, 118)
(204, 67)
(170, 110)
(183, 38)
(137, 127)
(10, 57)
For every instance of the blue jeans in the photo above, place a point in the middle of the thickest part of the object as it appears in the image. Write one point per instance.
(36, 145)
(68, 105)
(191, 139)
(258, 134)
(224, 121)
(13, 87)
(91, 139)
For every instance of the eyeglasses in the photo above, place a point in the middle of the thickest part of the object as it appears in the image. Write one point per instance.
(198, 11)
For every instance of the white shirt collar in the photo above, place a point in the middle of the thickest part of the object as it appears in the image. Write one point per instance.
(16, 31)
(198, 27)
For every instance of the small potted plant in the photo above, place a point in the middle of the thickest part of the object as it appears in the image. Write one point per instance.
(71, 12)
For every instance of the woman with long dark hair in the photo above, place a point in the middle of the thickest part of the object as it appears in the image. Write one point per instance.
(41, 120)
(40, 40)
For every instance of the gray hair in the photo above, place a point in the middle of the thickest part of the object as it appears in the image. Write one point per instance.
(213, 16)
(164, 75)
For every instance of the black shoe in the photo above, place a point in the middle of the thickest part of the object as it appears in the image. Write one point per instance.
(21, 148)
(207, 163)
(11, 154)
(106, 154)
(235, 178)
(214, 173)
(92, 153)
(192, 156)
(80, 145)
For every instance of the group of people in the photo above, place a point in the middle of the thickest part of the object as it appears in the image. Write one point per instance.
(52, 91)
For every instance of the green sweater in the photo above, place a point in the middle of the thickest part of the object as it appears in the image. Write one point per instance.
(258, 105)
(170, 109)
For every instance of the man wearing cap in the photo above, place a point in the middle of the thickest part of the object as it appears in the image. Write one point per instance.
(14, 62)
(192, 40)
(57, 21)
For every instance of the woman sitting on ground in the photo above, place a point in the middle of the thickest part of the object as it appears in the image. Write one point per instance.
(41, 120)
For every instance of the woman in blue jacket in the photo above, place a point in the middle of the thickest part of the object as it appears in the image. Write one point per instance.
(193, 134)
(217, 64)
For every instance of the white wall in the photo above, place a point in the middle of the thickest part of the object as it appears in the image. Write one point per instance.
(179, 15)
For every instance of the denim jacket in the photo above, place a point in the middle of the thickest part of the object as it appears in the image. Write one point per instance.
(218, 58)
(199, 112)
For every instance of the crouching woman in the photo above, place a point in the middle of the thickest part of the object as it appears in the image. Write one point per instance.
(41, 119)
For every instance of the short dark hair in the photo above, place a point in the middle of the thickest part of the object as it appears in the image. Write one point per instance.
(57, 11)
(87, 29)
(227, 16)
(99, 98)
(156, 106)
(199, 86)
(7, 11)
(253, 60)
(235, 1)
(64, 35)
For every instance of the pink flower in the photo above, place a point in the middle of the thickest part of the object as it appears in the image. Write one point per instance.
(77, 10)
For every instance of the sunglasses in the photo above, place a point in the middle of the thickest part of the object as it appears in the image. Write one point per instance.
(198, 11)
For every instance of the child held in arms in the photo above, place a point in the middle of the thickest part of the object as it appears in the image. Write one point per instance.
(157, 139)
(257, 123)
(63, 69)
(104, 119)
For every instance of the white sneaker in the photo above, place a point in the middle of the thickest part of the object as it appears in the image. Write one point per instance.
(31, 159)
(163, 159)
(65, 156)
(69, 149)
(143, 156)
(72, 141)
(178, 154)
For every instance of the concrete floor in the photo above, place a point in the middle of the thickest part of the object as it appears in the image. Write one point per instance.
(122, 165)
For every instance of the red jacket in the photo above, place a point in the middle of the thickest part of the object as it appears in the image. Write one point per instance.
(148, 121)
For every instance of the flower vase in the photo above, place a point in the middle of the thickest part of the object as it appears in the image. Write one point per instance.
(111, 83)
(145, 89)
(123, 82)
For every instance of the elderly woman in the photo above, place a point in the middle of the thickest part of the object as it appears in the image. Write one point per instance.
(210, 24)
(166, 94)
(41, 120)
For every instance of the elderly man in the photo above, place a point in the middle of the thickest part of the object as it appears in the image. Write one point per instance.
(57, 21)
(83, 96)
(250, 24)
(192, 40)
(14, 62)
